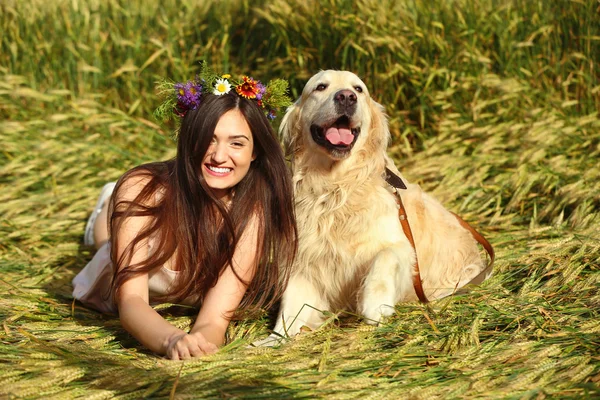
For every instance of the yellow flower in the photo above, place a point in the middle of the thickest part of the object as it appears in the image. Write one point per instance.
(225, 76)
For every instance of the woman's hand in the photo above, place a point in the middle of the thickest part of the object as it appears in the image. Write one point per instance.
(183, 346)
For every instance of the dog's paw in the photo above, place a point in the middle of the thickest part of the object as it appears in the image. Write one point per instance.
(375, 314)
(272, 340)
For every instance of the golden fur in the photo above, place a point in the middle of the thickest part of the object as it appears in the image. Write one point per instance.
(353, 254)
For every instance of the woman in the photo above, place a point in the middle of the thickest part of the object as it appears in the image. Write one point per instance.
(213, 227)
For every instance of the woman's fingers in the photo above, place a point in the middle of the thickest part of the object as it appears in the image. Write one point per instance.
(208, 348)
(191, 345)
(184, 353)
(196, 351)
(203, 346)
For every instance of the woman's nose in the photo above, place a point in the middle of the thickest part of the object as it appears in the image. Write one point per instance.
(219, 153)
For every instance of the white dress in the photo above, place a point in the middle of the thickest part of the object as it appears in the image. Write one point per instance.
(92, 286)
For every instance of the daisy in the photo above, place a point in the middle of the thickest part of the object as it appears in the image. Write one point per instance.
(222, 87)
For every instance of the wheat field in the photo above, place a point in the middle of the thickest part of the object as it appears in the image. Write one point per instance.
(493, 108)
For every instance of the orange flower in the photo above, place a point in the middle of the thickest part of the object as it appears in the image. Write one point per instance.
(247, 88)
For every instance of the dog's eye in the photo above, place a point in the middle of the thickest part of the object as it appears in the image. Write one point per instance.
(358, 89)
(321, 87)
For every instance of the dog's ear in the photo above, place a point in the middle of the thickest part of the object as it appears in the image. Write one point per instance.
(288, 129)
(380, 131)
(380, 128)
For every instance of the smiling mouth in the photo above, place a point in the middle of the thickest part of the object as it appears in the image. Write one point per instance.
(338, 138)
(217, 171)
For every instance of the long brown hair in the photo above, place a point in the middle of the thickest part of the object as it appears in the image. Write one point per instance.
(188, 220)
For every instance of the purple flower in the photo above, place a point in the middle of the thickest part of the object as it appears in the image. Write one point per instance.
(188, 95)
(260, 90)
(271, 115)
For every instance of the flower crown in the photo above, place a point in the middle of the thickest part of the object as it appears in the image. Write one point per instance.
(185, 96)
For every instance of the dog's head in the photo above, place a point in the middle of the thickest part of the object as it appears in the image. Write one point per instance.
(334, 116)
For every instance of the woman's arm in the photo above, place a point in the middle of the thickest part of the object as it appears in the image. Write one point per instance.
(153, 331)
(135, 313)
(222, 299)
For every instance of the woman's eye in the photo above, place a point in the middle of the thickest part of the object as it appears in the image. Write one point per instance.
(237, 144)
(358, 89)
(321, 87)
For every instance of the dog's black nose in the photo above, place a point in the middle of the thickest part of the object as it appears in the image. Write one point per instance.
(345, 98)
(345, 102)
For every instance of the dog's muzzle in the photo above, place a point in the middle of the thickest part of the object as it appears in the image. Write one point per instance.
(338, 138)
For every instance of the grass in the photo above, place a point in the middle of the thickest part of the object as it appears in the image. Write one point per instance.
(493, 108)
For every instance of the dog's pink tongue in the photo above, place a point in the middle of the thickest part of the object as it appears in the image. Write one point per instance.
(339, 136)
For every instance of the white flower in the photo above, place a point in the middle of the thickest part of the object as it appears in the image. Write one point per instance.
(222, 87)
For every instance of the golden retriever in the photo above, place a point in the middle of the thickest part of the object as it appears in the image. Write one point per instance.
(353, 254)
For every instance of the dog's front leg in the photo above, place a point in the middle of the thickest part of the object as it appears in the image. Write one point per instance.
(301, 305)
(388, 281)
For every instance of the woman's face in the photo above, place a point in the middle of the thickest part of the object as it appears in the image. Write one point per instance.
(229, 155)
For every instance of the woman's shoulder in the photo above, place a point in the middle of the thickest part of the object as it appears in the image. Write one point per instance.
(143, 184)
(254, 225)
